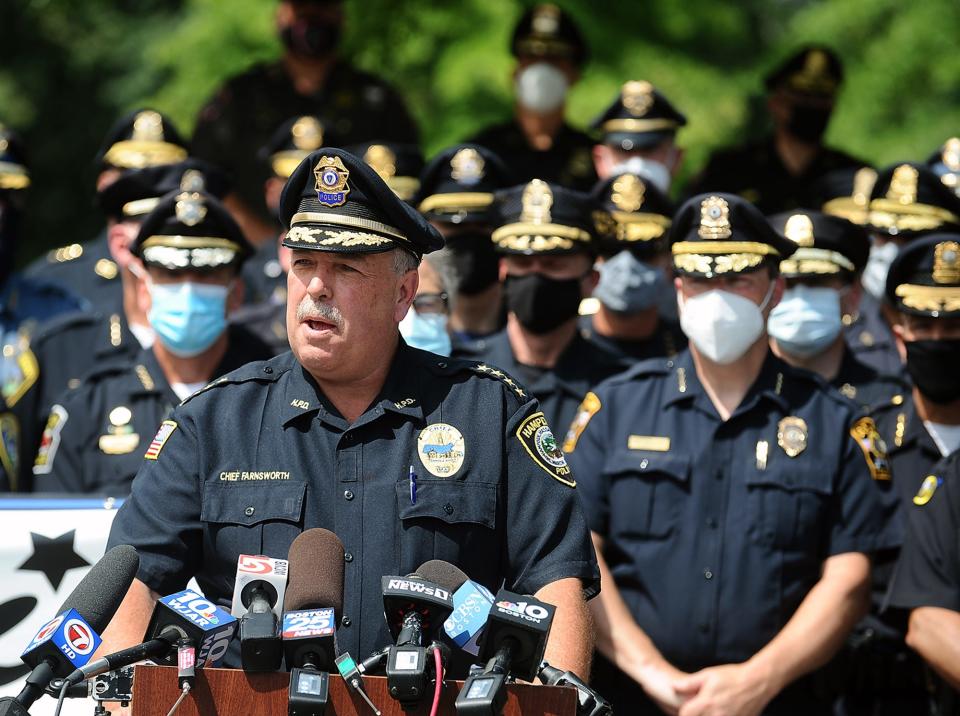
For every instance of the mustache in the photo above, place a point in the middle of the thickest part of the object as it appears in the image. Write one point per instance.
(311, 310)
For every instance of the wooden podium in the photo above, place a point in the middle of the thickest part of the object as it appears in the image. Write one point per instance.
(231, 692)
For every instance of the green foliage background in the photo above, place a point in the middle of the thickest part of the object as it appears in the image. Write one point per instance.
(68, 68)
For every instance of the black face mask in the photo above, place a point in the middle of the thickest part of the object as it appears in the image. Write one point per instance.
(933, 367)
(475, 262)
(311, 38)
(808, 123)
(541, 303)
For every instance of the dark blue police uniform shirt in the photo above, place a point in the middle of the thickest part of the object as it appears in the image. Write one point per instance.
(871, 340)
(87, 270)
(248, 463)
(713, 532)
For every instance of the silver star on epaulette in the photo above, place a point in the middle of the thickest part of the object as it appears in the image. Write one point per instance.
(484, 368)
(497, 374)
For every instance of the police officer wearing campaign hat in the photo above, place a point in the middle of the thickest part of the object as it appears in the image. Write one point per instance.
(340, 428)
(310, 78)
(457, 197)
(68, 347)
(538, 143)
(25, 302)
(908, 201)
(638, 135)
(548, 240)
(777, 172)
(141, 139)
(624, 315)
(729, 477)
(806, 327)
(96, 434)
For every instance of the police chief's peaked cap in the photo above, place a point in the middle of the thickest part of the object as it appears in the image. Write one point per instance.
(638, 118)
(547, 31)
(542, 218)
(909, 200)
(143, 138)
(641, 213)
(335, 201)
(846, 193)
(814, 71)
(717, 234)
(398, 164)
(458, 184)
(825, 244)
(138, 191)
(924, 279)
(190, 230)
(292, 141)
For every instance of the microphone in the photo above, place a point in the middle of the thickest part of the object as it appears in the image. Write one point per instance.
(471, 605)
(188, 619)
(258, 602)
(415, 607)
(513, 641)
(589, 702)
(312, 607)
(150, 649)
(69, 639)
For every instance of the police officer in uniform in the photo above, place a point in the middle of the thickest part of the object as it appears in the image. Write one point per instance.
(68, 347)
(141, 139)
(624, 315)
(457, 196)
(822, 278)
(97, 433)
(777, 172)
(537, 142)
(548, 240)
(907, 201)
(928, 578)
(638, 133)
(332, 434)
(730, 495)
(310, 78)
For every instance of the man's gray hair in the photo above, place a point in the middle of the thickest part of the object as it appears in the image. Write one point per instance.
(404, 261)
(442, 262)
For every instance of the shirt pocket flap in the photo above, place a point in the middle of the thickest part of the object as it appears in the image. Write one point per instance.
(250, 504)
(793, 479)
(652, 465)
(450, 501)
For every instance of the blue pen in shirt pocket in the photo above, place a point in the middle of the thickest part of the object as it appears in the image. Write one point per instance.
(413, 486)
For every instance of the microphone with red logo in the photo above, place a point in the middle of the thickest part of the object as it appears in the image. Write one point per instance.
(69, 639)
(258, 603)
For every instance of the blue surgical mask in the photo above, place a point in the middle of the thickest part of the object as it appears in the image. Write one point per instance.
(806, 321)
(628, 285)
(188, 317)
(426, 331)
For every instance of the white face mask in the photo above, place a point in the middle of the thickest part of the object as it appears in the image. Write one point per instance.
(653, 171)
(722, 325)
(874, 278)
(541, 87)
(806, 321)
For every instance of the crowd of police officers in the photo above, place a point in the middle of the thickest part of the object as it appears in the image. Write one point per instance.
(757, 387)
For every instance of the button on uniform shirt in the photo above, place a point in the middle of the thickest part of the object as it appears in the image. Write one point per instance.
(715, 530)
(582, 365)
(245, 112)
(96, 434)
(757, 173)
(568, 162)
(247, 464)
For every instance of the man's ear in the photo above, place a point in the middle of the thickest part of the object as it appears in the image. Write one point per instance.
(406, 292)
(144, 299)
(235, 298)
(589, 283)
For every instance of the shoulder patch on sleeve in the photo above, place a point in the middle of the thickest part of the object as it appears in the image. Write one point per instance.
(50, 440)
(494, 372)
(160, 439)
(588, 408)
(927, 488)
(19, 370)
(865, 432)
(537, 439)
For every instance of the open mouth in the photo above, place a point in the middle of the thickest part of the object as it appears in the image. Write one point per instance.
(319, 325)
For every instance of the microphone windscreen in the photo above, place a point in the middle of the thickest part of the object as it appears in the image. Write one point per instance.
(101, 590)
(315, 573)
(443, 574)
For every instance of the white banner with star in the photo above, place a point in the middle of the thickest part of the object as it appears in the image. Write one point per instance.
(47, 547)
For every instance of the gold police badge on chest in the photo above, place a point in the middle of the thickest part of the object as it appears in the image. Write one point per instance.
(792, 435)
(120, 438)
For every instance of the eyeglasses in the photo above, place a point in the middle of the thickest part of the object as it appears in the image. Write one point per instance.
(430, 303)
